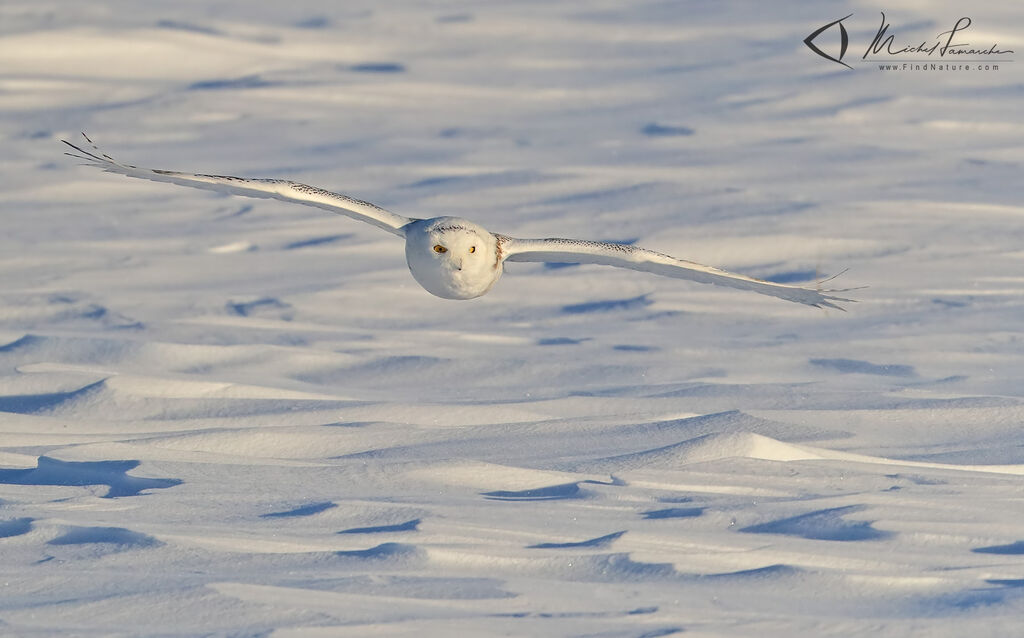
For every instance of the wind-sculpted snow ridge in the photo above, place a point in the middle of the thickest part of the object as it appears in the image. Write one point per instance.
(225, 417)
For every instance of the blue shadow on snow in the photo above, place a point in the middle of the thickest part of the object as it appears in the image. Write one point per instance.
(247, 308)
(246, 82)
(560, 341)
(384, 552)
(674, 512)
(550, 493)
(767, 572)
(1014, 583)
(1013, 549)
(15, 527)
(824, 525)
(664, 130)
(853, 366)
(304, 510)
(316, 241)
(607, 305)
(408, 526)
(32, 403)
(378, 67)
(107, 535)
(559, 492)
(316, 22)
(187, 26)
(113, 474)
(600, 541)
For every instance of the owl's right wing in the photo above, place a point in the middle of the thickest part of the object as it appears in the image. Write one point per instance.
(283, 190)
(636, 258)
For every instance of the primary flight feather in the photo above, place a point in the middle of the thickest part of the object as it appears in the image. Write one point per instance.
(455, 258)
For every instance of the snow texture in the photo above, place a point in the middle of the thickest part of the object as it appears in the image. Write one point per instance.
(232, 417)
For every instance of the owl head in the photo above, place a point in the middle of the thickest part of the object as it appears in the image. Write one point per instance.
(451, 257)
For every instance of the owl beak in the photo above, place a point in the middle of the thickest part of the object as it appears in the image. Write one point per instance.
(458, 264)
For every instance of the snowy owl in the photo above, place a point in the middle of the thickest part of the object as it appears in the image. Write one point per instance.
(455, 258)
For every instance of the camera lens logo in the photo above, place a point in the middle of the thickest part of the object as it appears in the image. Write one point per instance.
(844, 41)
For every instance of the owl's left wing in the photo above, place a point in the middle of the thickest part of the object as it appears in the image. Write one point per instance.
(635, 258)
(266, 188)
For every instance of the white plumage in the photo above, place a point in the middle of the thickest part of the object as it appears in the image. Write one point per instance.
(455, 258)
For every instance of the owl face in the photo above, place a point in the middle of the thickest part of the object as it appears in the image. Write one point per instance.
(452, 258)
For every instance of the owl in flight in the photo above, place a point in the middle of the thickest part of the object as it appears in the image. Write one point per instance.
(455, 258)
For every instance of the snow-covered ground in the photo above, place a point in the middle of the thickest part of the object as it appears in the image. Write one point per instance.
(222, 416)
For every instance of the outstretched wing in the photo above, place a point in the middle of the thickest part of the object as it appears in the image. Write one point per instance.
(624, 256)
(266, 188)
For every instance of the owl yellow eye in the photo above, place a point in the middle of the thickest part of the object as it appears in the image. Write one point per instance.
(440, 249)
(472, 249)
